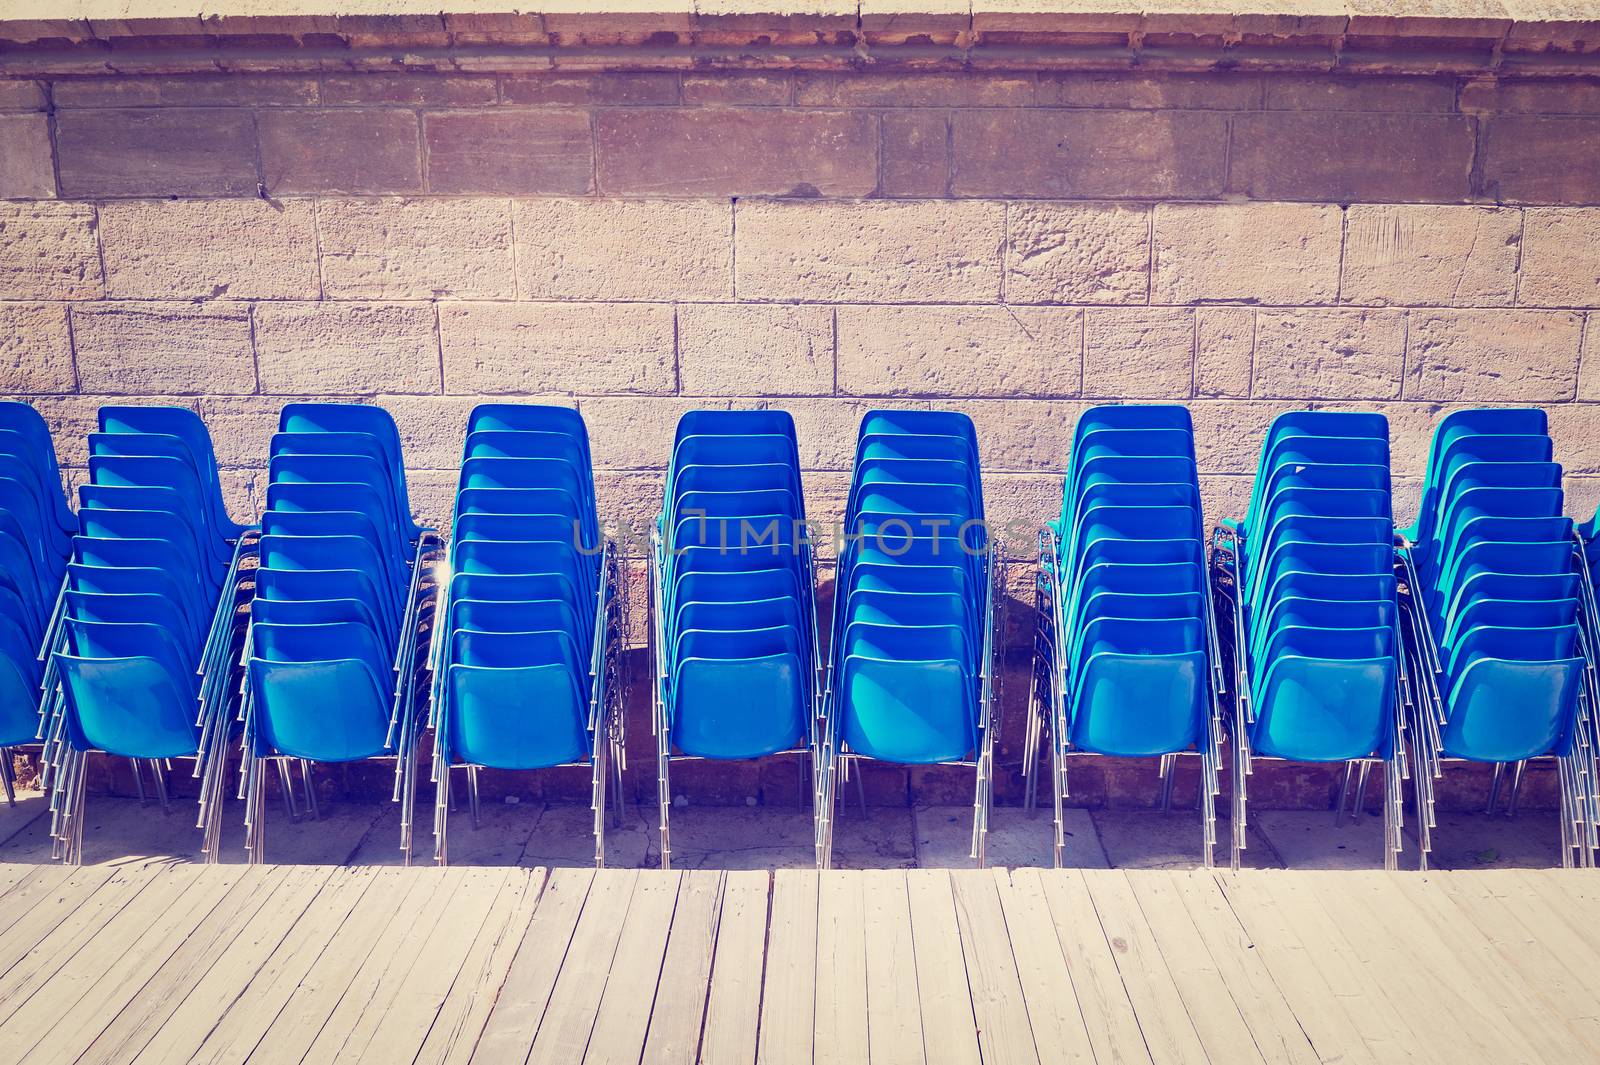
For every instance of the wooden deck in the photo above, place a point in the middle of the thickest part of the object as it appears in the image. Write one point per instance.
(157, 962)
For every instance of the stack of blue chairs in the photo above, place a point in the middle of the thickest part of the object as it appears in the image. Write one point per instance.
(1126, 655)
(333, 641)
(1500, 581)
(737, 671)
(912, 645)
(528, 634)
(35, 537)
(1316, 634)
(138, 660)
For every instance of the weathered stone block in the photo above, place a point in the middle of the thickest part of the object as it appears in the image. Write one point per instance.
(1589, 377)
(512, 152)
(755, 350)
(164, 348)
(1541, 159)
(1427, 255)
(21, 96)
(759, 152)
(742, 89)
(624, 249)
(416, 249)
(48, 251)
(1246, 253)
(1089, 154)
(581, 90)
(545, 348)
(347, 348)
(912, 90)
(1512, 356)
(1321, 92)
(960, 351)
(637, 432)
(35, 348)
(240, 249)
(916, 153)
(341, 151)
(160, 152)
(230, 90)
(1150, 92)
(1560, 258)
(412, 90)
(1145, 353)
(1345, 156)
(1224, 349)
(937, 251)
(1077, 253)
(27, 168)
(1329, 354)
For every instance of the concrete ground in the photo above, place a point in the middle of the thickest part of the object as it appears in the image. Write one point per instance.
(742, 837)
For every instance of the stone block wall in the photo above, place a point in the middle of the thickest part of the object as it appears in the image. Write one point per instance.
(1016, 244)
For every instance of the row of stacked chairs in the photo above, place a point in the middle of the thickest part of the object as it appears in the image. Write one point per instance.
(339, 631)
(734, 638)
(1125, 608)
(332, 644)
(525, 666)
(138, 665)
(911, 677)
(1317, 647)
(36, 530)
(1504, 594)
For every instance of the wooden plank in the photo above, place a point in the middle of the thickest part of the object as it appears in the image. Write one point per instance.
(1004, 1032)
(1108, 1015)
(623, 1020)
(368, 993)
(239, 1031)
(221, 986)
(568, 1023)
(161, 995)
(18, 882)
(523, 999)
(788, 1000)
(840, 1030)
(408, 1011)
(1374, 976)
(1059, 1032)
(339, 984)
(894, 1017)
(1548, 958)
(1306, 987)
(1501, 980)
(1222, 1029)
(733, 1003)
(1277, 1032)
(1164, 1021)
(55, 941)
(455, 1032)
(34, 909)
(679, 1009)
(949, 1027)
(86, 994)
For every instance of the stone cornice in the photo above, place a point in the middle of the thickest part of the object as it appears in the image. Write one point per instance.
(69, 37)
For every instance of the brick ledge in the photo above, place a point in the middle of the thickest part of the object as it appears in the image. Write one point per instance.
(1388, 36)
